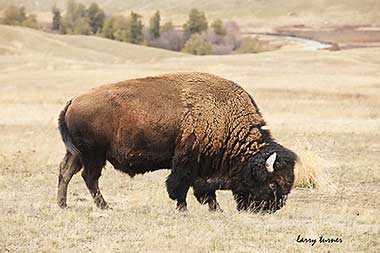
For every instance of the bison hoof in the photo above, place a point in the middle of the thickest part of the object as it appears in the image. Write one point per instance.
(182, 207)
(103, 205)
(106, 207)
(62, 205)
(214, 207)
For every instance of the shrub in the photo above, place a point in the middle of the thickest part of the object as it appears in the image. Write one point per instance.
(224, 38)
(233, 35)
(14, 15)
(30, 21)
(124, 29)
(80, 20)
(221, 49)
(170, 40)
(17, 16)
(249, 45)
(214, 38)
(75, 21)
(197, 23)
(82, 26)
(197, 45)
(218, 27)
(334, 47)
(218, 43)
(167, 27)
(116, 28)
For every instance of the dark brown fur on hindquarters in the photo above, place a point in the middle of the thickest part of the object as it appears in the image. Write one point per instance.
(204, 128)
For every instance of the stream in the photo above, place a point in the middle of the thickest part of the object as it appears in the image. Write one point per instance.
(307, 44)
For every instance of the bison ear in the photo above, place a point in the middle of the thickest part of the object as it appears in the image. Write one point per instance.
(270, 162)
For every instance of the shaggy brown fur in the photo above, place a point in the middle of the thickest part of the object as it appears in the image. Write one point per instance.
(207, 129)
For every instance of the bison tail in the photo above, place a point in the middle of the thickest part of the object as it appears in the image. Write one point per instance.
(65, 134)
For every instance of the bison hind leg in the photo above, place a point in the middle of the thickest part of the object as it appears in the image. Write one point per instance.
(93, 165)
(67, 168)
(205, 193)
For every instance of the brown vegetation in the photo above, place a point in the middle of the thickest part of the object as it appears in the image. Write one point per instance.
(17, 16)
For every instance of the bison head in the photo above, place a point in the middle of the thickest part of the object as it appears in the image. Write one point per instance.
(267, 179)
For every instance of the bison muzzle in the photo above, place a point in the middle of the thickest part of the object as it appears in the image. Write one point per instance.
(206, 129)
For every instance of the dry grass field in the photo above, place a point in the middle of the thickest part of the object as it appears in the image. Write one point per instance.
(317, 102)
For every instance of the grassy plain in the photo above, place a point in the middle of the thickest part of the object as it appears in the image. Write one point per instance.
(322, 102)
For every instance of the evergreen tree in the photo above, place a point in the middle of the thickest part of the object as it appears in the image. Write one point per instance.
(96, 17)
(135, 35)
(107, 30)
(197, 23)
(56, 18)
(154, 25)
(76, 20)
(218, 27)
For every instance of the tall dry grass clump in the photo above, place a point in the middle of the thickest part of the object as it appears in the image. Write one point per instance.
(309, 172)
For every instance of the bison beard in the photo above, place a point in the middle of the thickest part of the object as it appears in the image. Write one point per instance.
(204, 128)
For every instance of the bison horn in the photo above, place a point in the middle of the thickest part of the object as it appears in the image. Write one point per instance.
(270, 161)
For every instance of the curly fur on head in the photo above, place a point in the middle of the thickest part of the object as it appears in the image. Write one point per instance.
(265, 188)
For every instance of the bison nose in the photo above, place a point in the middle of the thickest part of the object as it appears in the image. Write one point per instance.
(283, 200)
(269, 206)
(277, 205)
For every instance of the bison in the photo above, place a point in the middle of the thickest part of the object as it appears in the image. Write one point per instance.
(206, 129)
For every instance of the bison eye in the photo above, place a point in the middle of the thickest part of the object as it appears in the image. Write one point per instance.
(272, 186)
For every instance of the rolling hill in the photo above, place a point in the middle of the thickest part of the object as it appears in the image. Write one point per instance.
(248, 13)
(19, 40)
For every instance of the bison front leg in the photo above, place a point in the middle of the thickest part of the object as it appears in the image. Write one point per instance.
(178, 184)
(205, 193)
(68, 167)
(242, 201)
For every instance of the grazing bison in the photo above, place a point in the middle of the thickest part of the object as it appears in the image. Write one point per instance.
(204, 128)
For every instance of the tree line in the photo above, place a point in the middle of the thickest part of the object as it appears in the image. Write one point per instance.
(17, 16)
(196, 36)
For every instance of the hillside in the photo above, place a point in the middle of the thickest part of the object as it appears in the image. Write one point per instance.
(27, 42)
(248, 13)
